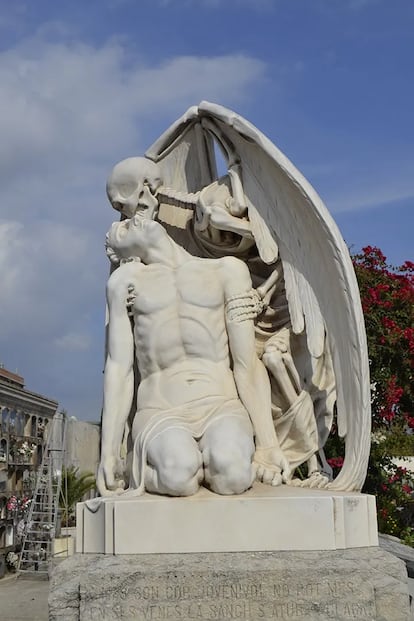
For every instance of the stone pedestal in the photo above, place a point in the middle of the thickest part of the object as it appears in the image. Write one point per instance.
(271, 553)
(264, 518)
(364, 583)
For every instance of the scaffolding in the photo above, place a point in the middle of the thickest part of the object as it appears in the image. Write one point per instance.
(42, 521)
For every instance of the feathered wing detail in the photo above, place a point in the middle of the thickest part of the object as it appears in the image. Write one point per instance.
(293, 295)
(185, 154)
(321, 287)
(266, 245)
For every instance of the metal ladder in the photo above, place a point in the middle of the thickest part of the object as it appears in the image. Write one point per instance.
(40, 528)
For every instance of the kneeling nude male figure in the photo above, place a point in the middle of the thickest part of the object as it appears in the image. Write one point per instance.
(203, 411)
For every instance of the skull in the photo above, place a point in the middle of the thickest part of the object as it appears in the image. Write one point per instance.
(132, 187)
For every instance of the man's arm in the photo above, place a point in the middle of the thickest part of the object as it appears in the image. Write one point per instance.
(250, 375)
(118, 383)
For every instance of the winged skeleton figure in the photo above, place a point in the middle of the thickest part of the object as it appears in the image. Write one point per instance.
(309, 327)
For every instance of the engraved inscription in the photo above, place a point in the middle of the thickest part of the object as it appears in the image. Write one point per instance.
(177, 592)
(198, 611)
(181, 597)
(147, 592)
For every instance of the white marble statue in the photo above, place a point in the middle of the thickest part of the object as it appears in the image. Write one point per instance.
(203, 410)
(227, 380)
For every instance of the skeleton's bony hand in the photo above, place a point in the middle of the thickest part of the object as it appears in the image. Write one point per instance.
(244, 307)
(108, 480)
(202, 215)
(278, 354)
(271, 466)
(220, 217)
(130, 299)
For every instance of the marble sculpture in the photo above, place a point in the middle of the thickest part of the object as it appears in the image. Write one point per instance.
(235, 330)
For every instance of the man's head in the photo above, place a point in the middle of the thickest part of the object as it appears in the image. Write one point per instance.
(135, 238)
(132, 187)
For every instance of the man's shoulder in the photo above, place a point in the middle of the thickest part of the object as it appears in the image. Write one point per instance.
(228, 267)
(235, 275)
(122, 276)
(233, 266)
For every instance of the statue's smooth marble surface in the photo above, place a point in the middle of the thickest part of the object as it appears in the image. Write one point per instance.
(235, 336)
(262, 518)
(234, 322)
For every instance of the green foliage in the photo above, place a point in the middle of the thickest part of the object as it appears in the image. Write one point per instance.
(387, 295)
(394, 488)
(75, 485)
(397, 441)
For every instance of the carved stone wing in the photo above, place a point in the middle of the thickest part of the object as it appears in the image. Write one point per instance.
(287, 218)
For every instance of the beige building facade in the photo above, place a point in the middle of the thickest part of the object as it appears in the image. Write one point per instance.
(25, 418)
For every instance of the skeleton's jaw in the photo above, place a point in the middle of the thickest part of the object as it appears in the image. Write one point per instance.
(144, 212)
(138, 220)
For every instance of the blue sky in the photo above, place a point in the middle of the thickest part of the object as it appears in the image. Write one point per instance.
(87, 83)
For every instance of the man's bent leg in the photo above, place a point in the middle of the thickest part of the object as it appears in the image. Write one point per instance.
(228, 449)
(175, 464)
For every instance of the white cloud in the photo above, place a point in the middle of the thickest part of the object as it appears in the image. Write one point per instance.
(363, 183)
(68, 112)
(47, 273)
(10, 249)
(371, 199)
(73, 341)
(384, 185)
(50, 89)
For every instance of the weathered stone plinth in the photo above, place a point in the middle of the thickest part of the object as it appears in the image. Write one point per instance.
(364, 583)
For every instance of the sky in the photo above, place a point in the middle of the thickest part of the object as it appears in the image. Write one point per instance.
(85, 84)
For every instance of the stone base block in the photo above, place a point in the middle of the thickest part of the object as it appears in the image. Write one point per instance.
(364, 583)
(263, 518)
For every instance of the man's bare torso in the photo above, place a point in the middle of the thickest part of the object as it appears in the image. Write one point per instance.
(179, 331)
